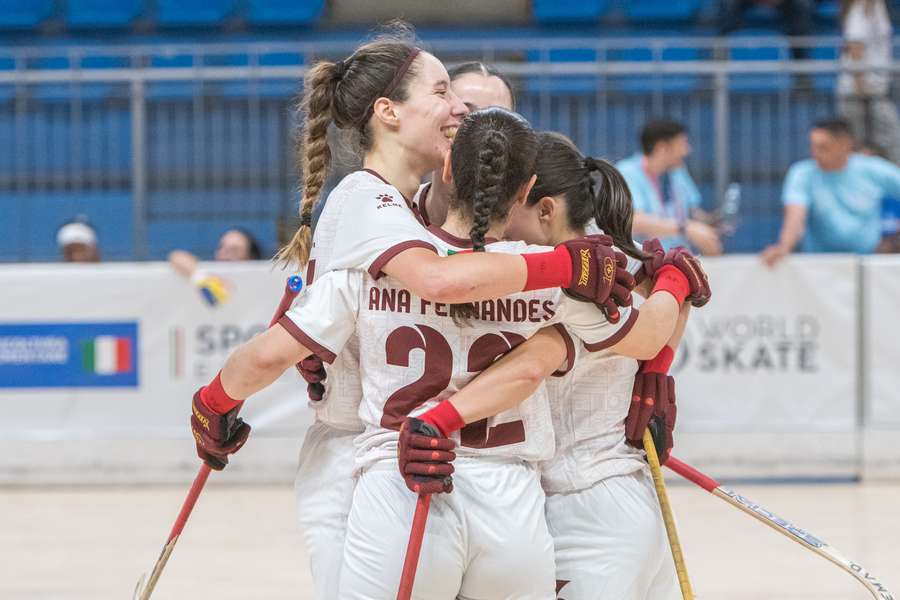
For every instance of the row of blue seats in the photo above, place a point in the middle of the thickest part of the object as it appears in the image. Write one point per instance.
(28, 14)
(31, 220)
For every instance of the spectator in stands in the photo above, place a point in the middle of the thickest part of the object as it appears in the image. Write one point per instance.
(77, 241)
(236, 244)
(796, 15)
(833, 201)
(864, 96)
(666, 200)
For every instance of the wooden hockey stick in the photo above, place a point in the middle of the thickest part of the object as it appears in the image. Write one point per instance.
(414, 547)
(671, 532)
(805, 539)
(291, 289)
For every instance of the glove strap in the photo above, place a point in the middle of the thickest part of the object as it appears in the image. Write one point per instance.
(214, 398)
(670, 279)
(548, 269)
(661, 362)
(444, 417)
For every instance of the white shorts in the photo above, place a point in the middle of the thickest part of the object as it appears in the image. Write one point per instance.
(611, 542)
(324, 490)
(487, 540)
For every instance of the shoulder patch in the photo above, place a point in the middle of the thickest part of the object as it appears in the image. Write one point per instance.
(385, 200)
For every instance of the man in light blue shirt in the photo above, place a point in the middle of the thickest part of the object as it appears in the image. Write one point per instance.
(666, 200)
(832, 202)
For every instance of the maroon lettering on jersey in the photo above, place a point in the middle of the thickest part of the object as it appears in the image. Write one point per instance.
(534, 305)
(520, 311)
(374, 296)
(548, 310)
(438, 370)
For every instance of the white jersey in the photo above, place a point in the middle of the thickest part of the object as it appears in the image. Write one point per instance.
(364, 220)
(589, 406)
(413, 355)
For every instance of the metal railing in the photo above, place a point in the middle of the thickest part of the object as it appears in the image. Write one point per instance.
(209, 139)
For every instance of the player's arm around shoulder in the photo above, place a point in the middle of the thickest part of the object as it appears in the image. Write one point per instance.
(516, 375)
(321, 320)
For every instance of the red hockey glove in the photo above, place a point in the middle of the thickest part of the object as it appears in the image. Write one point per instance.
(599, 274)
(653, 262)
(312, 370)
(653, 405)
(424, 457)
(217, 435)
(690, 266)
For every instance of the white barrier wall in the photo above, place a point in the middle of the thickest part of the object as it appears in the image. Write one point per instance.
(767, 372)
(98, 364)
(129, 421)
(881, 450)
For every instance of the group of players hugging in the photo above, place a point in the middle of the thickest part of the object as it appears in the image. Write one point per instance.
(473, 338)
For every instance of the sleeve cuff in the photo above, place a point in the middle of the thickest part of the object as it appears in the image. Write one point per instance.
(321, 351)
(616, 337)
(385, 257)
(570, 351)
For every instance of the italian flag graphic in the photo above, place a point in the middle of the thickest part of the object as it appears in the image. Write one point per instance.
(106, 355)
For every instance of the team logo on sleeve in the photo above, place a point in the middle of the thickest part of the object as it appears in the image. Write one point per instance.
(385, 200)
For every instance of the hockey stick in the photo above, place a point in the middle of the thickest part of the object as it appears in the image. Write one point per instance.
(416, 533)
(805, 539)
(291, 289)
(671, 532)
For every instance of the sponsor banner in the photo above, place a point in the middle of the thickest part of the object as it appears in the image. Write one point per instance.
(775, 350)
(71, 355)
(120, 354)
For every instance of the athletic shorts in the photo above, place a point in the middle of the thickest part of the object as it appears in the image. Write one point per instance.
(487, 540)
(611, 542)
(324, 490)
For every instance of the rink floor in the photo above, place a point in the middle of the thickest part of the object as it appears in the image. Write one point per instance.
(94, 543)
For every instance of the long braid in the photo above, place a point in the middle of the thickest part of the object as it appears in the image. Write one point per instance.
(313, 154)
(492, 161)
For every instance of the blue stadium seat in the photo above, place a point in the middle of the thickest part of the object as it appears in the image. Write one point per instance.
(285, 12)
(645, 53)
(562, 84)
(571, 11)
(24, 14)
(171, 90)
(751, 82)
(188, 13)
(110, 212)
(639, 11)
(825, 82)
(102, 13)
(268, 88)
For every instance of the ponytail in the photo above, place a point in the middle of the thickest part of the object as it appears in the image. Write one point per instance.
(613, 205)
(313, 154)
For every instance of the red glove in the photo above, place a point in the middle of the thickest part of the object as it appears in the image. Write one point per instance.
(217, 434)
(312, 370)
(424, 456)
(651, 264)
(690, 266)
(653, 405)
(599, 274)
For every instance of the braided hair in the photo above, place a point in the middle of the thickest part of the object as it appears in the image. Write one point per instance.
(344, 93)
(493, 157)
